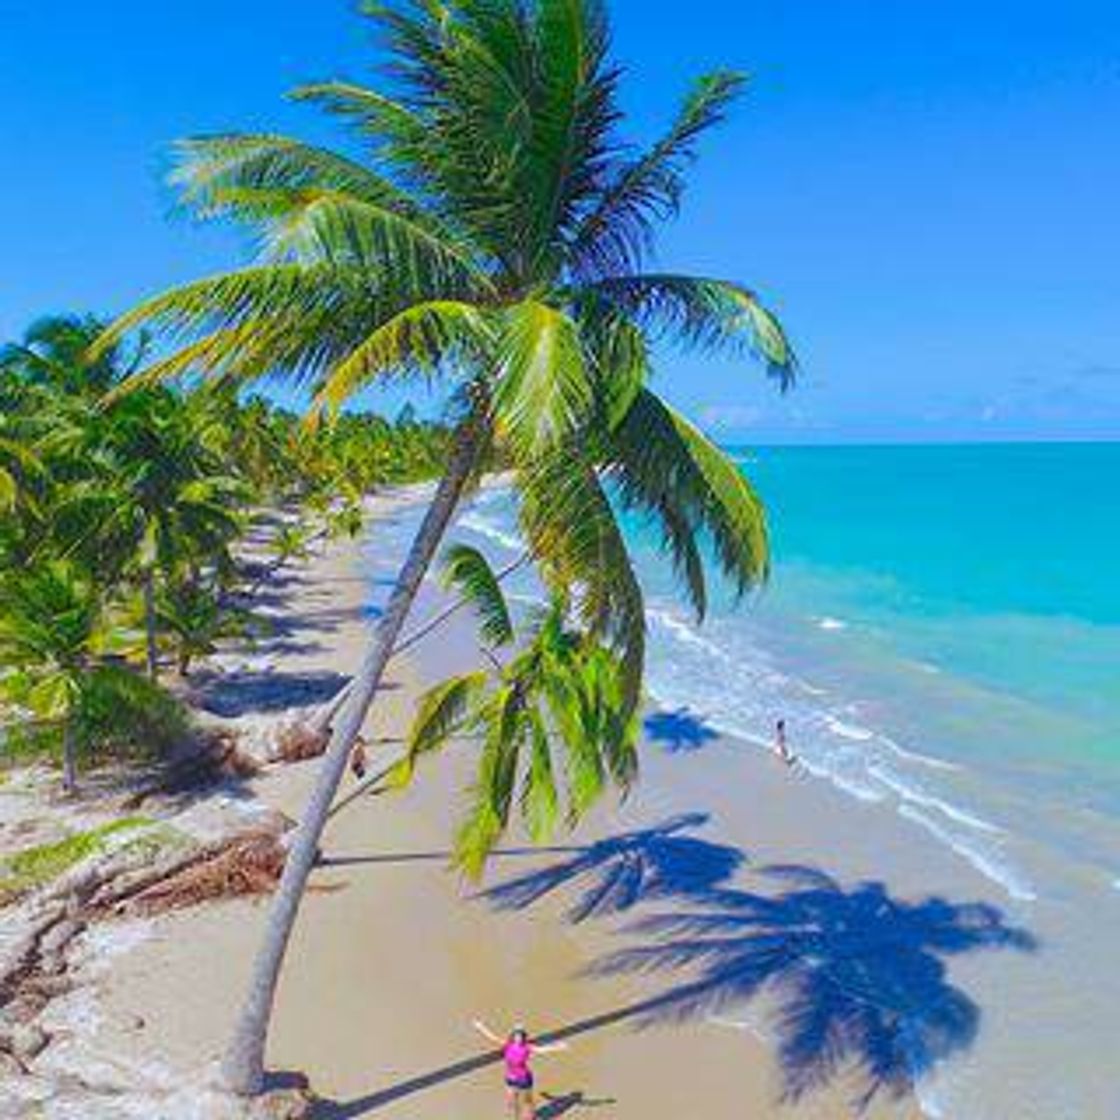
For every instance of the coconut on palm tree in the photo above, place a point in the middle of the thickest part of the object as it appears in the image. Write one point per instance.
(492, 232)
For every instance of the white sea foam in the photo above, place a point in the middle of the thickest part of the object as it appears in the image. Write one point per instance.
(683, 632)
(848, 730)
(919, 796)
(988, 863)
(487, 528)
(827, 623)
(915, 756)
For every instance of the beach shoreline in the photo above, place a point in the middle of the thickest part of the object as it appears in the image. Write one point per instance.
(379, 1018)
(380, 1028)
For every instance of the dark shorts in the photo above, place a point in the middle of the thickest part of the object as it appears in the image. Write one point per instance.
(524, 1084)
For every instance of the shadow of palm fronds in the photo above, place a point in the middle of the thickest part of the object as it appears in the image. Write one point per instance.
(616, 873)
(858, 978)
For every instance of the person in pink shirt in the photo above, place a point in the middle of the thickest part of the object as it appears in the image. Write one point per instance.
(517, 1052)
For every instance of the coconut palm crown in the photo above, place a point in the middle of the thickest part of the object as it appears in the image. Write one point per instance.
(494, 229)
(491, 228)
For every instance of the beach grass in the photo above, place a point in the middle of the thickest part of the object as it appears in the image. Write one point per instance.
(32, 867)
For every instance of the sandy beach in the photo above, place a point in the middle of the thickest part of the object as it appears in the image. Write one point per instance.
(394, 955)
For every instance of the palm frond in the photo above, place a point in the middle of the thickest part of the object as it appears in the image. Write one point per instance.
(703, 313)
(572, 532)
(376, 117)
(491, 796)
(470, 573)
(440, 713)
(615, 236)
(540, 799)
(220, 176)
(665, 466)
(419, 338)
(544, 392)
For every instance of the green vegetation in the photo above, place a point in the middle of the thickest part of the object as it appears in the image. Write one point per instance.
(553, 722)
(32, 867)
(121, 515)
(491, 231)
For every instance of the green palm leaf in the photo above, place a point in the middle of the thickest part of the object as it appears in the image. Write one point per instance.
(470, 573)
(440, 712)
(665, 466)
(420, 338)
(703, 313)
(544, 392)
(617, 233)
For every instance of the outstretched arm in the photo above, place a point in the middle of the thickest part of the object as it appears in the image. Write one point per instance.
(487, 1033)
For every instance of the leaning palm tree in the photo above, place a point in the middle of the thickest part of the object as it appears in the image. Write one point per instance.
(493, 232)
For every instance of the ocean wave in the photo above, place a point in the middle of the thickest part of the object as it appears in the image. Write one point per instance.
(988, 863)
(682, 631)
(848, 730)
(917, 756)
(829, 623)
(918, 796)
(484, 527)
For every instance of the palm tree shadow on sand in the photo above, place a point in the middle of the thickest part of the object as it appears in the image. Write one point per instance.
(616, 873)
(679, 731)
(857, 979)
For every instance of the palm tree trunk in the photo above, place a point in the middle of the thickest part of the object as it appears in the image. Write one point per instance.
(69, 758)
(150, 622)
(243, 1066)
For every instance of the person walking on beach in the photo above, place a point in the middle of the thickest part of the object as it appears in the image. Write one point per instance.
(517, 1052)
(781, 747)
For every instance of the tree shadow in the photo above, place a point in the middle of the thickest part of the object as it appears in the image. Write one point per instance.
(378, 1099)
(267, 690)
(556, 1106)
(618, 872)
(856, 978)
(679, 731)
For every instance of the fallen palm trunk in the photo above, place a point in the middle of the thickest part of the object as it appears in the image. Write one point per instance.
(249, 864)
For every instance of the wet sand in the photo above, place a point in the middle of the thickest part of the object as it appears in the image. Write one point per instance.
(394, 956)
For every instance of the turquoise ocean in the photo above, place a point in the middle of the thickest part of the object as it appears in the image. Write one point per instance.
(941, 634)
(941, 629)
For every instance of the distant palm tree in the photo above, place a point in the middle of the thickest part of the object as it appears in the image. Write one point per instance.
(197, 616)
(54, 354)
(492, 231)
(50, 625)
(157, 495)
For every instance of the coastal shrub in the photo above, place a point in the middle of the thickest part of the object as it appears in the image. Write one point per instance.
(118, 714)
(32, 867)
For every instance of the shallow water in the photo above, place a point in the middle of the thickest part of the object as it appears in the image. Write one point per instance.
(942, 636)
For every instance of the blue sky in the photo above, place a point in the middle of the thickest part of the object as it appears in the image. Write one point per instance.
(925, 192)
